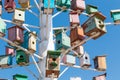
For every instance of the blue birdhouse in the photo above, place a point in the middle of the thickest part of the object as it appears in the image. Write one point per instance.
(62, 40)
(63, 4)
(115, 14)
(90, 9)
(22, 58)
(95, 24)
(2, 27)
(5, 61)
(20, 77)
(30, 41)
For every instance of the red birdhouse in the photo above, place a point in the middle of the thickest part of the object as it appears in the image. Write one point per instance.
(9, 5)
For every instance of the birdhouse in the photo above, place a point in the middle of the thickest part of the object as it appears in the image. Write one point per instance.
(79, 50)
(63, 4)
(25, 4)
(22, 58)
(0, 7)
(2, 28)
(9, 5)
(76, 35)
(115, 14)
(100, 77)
(95, 24)
(19, 17)
(100, 63)
(74, 19)
(69, 60)
(85, 61)
(15, 34)
(62, 40)
(20, 77)
(48, 6)
(30, 41)
(10, 51)
(78, 5)
(90, 9)
(53, 63)
(5, 61)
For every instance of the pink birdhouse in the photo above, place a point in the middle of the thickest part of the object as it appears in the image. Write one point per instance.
(10, 51)
(100, 77)
(15, 34)
(9, 5)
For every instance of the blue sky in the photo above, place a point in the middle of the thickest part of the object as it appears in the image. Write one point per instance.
(107, 44)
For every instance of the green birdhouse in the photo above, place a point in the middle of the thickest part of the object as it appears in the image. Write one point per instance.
(21, 57)
(95, 24)
(2, 28)
(90, 9)
(20, 77)
(53, 63)
(63, 4)
(62, 40)
(115, 14)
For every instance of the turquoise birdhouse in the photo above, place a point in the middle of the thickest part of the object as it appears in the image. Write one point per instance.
(2, 28)
(62, 40)
(95, 24)
(115, 14)
(90, 9)
(20, 77)
(5, 61)
(30, 41)
(22, 58)
(63, 4)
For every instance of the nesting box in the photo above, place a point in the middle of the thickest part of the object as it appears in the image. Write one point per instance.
(90, 9)
(62, 40)
(79, 50)
(0, 7)
(100, 77)
(100, 63)
(20, 77)
(9, 5)
(22, 58)
(2, 28)
(48, 4)
(25, 4)
(5, 61)
(95, 24)
(30, 41)
(115, 14)
(76, 35)
(69, 60)
(15, 34)
(74, 19)
(10, 51)
(19, 17)
(85, 61)
(53, 63)
(63, 4)
(78, 5)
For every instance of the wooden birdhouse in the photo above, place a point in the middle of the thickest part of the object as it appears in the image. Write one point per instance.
(90, 9)
(69, 60)
(10, 51)
(25, 5)
(20, 77)
(15, 34)
(49, 4)
(100, 77)
(78, 5)
(115, 14)
(0, 7)
(9, 5)
(63, 4)
(19, 17)
(30, 41)
(53, 63)
(5, 61)
(62, 40)
(100, 63)
(95, 24)
(74, 19)
(85, 61)
(76, 35)
(22, 58)
(2, 28)
(79, 50)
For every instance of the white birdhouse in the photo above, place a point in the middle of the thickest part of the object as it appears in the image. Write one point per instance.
(79, 50)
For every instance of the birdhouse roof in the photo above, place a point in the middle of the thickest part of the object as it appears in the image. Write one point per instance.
(92, 6)
(54, 52)
(16, 27)
(19, 75)
(114, 11)
(99, 15)
(100, 56)
(59, 30)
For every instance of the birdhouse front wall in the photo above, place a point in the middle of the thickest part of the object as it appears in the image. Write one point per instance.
(74, 19)
(10, 51)
(2, 27)
(49, 4)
